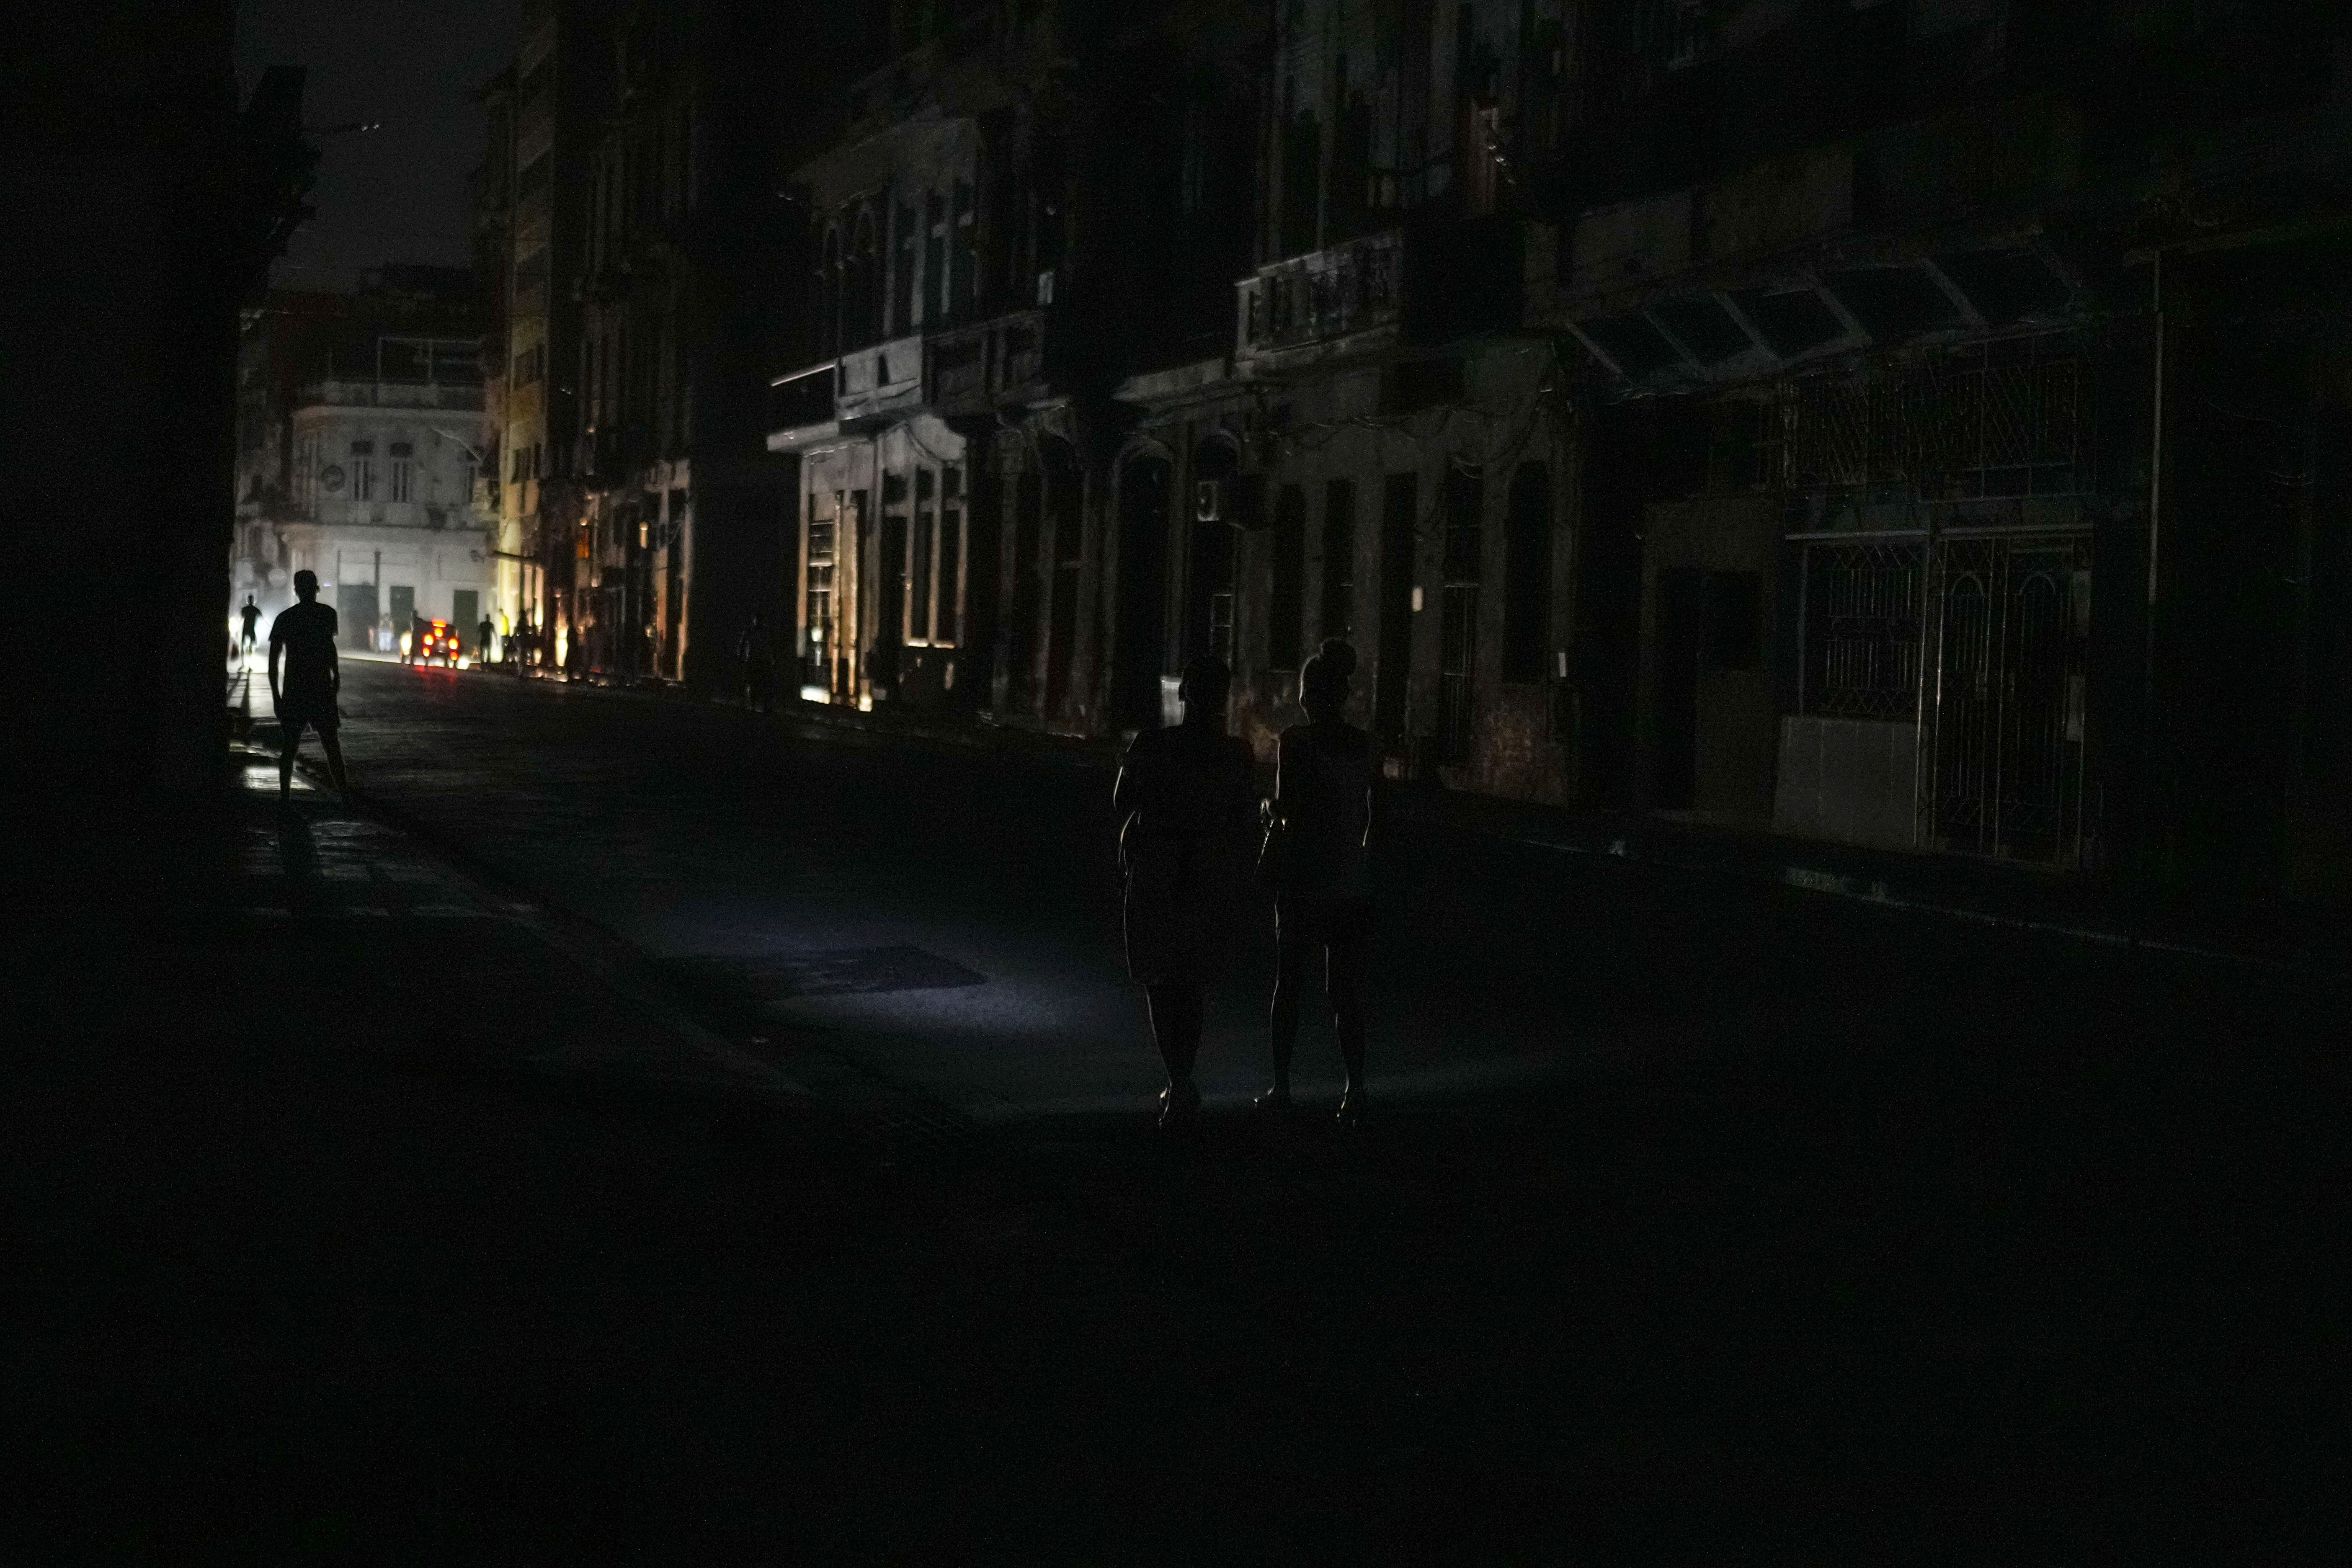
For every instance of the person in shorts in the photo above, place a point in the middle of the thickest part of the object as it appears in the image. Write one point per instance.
(303, 636)
(1183, 800)
(251, 617)
(1324, 797)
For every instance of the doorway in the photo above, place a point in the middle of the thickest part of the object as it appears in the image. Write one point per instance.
(2006, 713)
(1673, 781)
(1400, 501)
(355, 614)
(1711, 718)
(1065, 507)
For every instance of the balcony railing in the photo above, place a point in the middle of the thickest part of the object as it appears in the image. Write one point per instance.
(971, 369)
(1327, 294)
(341, 393)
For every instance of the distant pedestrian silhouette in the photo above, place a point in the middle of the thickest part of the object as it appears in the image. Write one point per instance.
(1323, 800)
(482, 636)
(1184, 801)
(251, 617)
(759, 662)
(304, 634)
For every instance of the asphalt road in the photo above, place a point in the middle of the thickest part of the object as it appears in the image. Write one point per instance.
(955, 915)
(1689, 1198)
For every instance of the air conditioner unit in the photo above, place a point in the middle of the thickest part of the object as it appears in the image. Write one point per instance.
(1209, 501)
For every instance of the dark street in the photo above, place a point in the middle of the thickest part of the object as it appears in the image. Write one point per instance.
(1799, 1226)
(1178, 781)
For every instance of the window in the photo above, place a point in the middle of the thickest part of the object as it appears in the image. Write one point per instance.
(1302, 159)
(1339, 619)
(1457, 631)
(1863, 613)
(864, 283)
(902, 279)
(935, 258)
(1286, 604)
(920, 582)
(363, 470)
(964, 278)
(1526, 575)
(403, 472)
(820, 594)
(950, 618)
(827, 295)
(1464, 538)
(919, 577)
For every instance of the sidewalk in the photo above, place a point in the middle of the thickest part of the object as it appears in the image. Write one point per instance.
(2269, 935)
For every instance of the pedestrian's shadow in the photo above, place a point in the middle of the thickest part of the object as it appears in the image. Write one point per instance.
(298, 856)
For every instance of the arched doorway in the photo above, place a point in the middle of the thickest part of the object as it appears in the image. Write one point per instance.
(1066, 526)
(1208, 563)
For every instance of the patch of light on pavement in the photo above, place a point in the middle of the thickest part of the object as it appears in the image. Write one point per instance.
(263, 775)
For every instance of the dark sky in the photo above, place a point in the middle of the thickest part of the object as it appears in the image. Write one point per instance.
(397, 193)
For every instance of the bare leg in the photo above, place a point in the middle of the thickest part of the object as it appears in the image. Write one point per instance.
(286, 761)
(334, 747)
(1282, 1015)
(1343, 981)
(1176, 1010)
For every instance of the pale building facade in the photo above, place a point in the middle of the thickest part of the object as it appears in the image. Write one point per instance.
(382, 492)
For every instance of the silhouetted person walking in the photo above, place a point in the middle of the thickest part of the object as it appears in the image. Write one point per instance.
(1323, 798)
(759, 662)
(1183, 800)
(304, 634)
(487, 630)
(251, 617)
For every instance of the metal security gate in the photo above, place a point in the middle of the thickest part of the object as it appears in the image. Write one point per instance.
(2002, 764)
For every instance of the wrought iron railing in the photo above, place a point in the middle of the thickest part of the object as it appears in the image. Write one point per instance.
(978, 365)
(1326, 294)
(2000, 421)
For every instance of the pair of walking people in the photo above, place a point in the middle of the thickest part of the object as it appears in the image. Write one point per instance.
(1186, 806)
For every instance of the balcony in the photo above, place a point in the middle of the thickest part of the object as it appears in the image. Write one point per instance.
(987, 365)
(1424, 285)
(339, 393)
(876, 384)
(1317, 300)
(960, 371)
